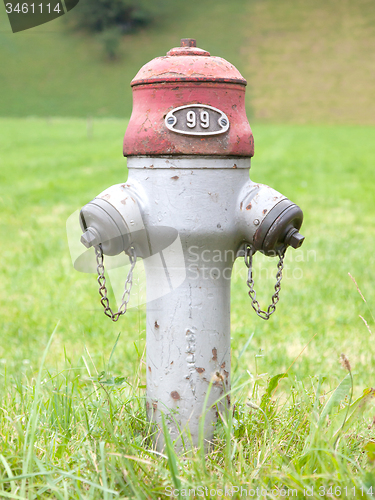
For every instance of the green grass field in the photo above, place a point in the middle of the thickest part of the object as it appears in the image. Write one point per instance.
(71, 433)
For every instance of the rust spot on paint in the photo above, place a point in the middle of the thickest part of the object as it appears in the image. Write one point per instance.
(156, 324)
(149, 369)
(106, 196)
(217, 379)
(228, 399)
(234, 166)
(175, 395)
(200, 370)
(265, 211)
(241, 205)
(155, 406)
(248, 206)
(226, 374)
(124, 201)
(223, 365)
(147, 405)
(175, 177)
(214, 354)
(172, 362)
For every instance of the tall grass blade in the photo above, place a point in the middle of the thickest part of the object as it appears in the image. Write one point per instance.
(33, 419)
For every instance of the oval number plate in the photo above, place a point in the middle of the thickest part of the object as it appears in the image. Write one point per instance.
(197, 119)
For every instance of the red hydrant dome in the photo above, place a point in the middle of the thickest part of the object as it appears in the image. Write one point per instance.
(188, 64)
(188, 103)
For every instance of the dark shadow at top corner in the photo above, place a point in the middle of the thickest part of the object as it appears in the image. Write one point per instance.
(70, 4)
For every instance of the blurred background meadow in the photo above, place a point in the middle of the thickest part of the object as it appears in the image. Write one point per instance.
(65, 101)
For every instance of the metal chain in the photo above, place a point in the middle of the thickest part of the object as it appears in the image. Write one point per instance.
(250, 283)
(103, 289)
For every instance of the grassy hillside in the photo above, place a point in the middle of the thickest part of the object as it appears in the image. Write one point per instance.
(312, 61)
(306, 61)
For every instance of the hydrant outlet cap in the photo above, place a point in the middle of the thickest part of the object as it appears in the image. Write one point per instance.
(280, 228)
(103, 224)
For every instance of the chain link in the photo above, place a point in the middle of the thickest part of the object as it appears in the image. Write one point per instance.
(250, 283)
(102, 284)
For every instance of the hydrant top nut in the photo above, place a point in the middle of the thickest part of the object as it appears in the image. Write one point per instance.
(188, 42)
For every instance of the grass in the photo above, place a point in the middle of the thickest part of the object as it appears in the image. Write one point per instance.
(311, 61)
(306, 61)
(73, 424)
(88, 438)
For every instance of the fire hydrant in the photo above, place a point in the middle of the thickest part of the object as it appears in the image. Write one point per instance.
(189, 146)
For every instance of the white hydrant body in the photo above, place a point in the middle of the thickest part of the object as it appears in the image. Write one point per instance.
(189, 214)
